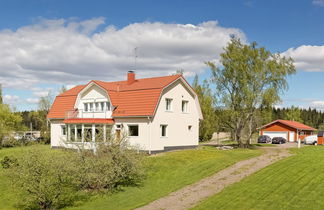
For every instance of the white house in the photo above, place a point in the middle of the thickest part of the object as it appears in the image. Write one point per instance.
(158, 114)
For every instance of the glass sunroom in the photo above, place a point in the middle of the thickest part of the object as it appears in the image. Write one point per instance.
(83, 130)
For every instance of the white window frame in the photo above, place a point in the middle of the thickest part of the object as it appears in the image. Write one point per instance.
(185, 103)
(166, 130)
(170, 104)
(138, 131)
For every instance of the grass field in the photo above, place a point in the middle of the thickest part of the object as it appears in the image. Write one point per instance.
(168, 172)
(293, 183)
(165, 173)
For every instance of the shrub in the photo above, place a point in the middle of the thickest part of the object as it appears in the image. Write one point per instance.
(58, 178)
(111, 168)
(10, 142)
(8, 162)
(44, 180)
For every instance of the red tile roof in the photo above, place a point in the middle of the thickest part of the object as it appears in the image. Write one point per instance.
(137, 99)
(293, 124)
(90, 120)
(64, 102)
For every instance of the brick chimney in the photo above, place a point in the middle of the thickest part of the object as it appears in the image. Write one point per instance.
(130, 77)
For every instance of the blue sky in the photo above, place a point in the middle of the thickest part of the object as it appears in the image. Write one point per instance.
(50, 43)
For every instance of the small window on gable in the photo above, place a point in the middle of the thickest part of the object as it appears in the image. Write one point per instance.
(184, 106)
(90, 107)
(189, 127)
(168, 104)
(163, 130)
(133, 130)
(85, 107)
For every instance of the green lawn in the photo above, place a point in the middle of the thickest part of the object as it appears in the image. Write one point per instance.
(165, 173)
(293, 183)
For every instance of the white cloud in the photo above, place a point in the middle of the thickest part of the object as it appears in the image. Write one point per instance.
(318, 2)
(32, 100)
(317, 105)
(307, 57)
(71, 52)
(11, 99)
(16, 101)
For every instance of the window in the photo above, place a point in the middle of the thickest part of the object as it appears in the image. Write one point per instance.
(63, 129)
(90, 107)
(184, 106)
(102, 106)
(118, 126)
(85, 107)
(108, 106)
(168, 102)
(189, 127)
(97, 106)
(79, 132)
(133, 130)
(99, 133)
(87, 133)
(73, 134)
(163, 130)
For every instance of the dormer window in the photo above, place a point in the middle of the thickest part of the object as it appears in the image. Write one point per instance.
(108, 106)
(97, 106)
(102, 106)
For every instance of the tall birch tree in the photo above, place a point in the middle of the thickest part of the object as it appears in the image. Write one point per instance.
(250, 77)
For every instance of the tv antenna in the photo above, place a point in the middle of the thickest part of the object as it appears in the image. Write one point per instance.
(135, 57)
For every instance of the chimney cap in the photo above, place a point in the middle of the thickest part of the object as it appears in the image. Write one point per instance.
(130, 71)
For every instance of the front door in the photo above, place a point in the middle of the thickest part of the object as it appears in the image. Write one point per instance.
(291, 136)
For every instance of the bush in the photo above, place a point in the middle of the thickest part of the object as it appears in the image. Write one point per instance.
(111, 168)
(8, 162)
(10, 142)
(57, 178)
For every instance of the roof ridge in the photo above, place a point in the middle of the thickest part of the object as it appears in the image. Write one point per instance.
(176, 75)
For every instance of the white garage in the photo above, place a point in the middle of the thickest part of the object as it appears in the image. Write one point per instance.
(272, 134)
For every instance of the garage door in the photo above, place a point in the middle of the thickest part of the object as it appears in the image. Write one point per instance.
(276, 134)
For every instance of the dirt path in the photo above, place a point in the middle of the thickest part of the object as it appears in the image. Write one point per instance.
(190, 195)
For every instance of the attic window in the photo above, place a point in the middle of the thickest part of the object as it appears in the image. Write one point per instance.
(168, 102)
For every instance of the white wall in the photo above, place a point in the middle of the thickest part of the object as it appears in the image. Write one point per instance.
(141, 141)
(178, 122)
(56, 132)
